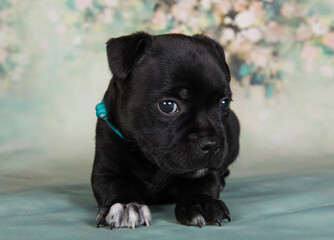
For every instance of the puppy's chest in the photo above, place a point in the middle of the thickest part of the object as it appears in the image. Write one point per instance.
(153, 178)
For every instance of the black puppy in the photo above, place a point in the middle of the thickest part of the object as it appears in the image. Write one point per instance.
(169, 98)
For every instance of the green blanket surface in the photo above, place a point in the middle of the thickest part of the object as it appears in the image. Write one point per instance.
(262, 207)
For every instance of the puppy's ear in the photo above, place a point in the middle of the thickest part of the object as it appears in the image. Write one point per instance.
(123, 51)
(217, 50)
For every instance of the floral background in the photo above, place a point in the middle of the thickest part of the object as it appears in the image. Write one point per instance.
(53, 69)
(255, 34)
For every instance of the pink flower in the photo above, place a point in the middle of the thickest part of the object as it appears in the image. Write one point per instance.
(328, 40)
(260, 57)
(126, 14)
(300, 13)
(225, 7)
(309, 53)
(273, 32)
(256, 8)
(181, 11)
(240, 46)
(317, 27)
(252, 34)
(304, 32)
(288, 10)
(82, 4)
(240, 5)
(244, 19)
(194, 22)
(159, 18)
(227, 35)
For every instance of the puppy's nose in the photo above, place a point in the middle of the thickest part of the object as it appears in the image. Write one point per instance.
(207, 145)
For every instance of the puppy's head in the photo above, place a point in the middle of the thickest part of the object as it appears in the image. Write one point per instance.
(171, 94)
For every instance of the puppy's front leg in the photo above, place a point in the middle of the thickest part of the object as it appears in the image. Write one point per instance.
(199, 202)
(120, 204)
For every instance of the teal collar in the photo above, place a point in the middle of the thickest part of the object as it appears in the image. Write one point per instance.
(101, 112)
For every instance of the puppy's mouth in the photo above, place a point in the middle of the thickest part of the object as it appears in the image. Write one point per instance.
(186, 160)
(196, 174)
(187, 173)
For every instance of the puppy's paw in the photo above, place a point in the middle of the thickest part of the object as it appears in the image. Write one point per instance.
(125, 215)
(201, 210)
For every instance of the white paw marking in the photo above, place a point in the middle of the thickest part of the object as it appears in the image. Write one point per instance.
(128, 215)
(197, 220)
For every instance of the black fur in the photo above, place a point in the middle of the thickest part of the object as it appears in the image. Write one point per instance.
(158, 161)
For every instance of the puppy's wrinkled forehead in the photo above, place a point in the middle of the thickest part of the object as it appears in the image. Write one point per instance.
(165, 62)
(183, 64)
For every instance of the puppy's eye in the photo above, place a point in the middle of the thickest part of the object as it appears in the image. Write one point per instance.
(168, 106)
(224, 104)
